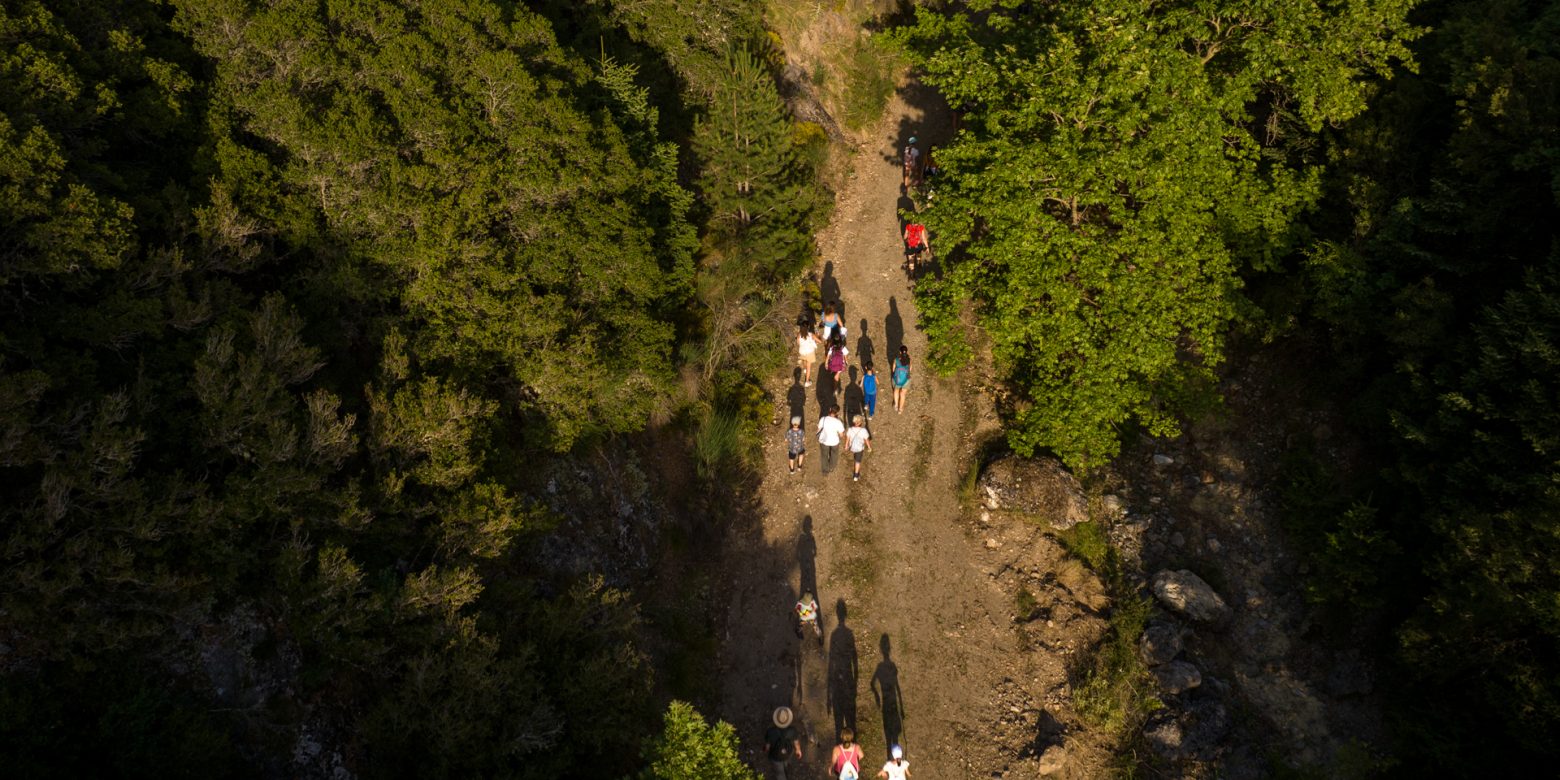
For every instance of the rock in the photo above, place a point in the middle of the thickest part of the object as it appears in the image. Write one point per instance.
(1177, 540)
(1162, 732)
(985, 517)
(1163, 460)
(1053, 760)
(1042, 487)
(1177, 677)
(992, 544)
(1113, 505)
(1208, 478)
(1186, 593)
(1213, 545)
(1161, 642)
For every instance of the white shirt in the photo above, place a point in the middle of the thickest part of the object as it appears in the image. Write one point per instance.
(896, 771)
(857, 436)
(807, 345)
(829, 430)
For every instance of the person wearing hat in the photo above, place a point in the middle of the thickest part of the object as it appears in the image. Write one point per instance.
(912, 155)
(796, 444)
(860, 441)
(781, 742)
(897, 767)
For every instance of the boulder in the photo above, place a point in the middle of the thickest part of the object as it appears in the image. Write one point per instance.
(1177, 677)
(1163, 460)
(1186, 593)
(1053, 760)
(1042, 487)
(1162, 732)
(1161, 642)
(1113, 505)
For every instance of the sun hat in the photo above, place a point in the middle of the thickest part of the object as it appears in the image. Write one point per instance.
(897, 752)
(796, 421)
(782, 716)
(912, 139)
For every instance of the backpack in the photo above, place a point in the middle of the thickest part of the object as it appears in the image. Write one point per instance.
(848, 772)
(848, 768)
(901, 375)
(836, 360)
(869, 384)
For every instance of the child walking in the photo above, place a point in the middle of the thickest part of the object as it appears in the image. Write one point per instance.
(796, 444)
(860, 441)
(869, 388)
(836, 362)
(901, 378)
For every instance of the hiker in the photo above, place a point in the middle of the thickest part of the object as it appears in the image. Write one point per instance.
(845, 763)
(860, 441)
(807, 616)
(795, 445)
(897, 767)
(830, 322)
(806, 352)
(901, 378)
(780, 742)
(912, 158)
(830, 429)
(916, 245)
(930, 169)
(835, 364)
(869, 388)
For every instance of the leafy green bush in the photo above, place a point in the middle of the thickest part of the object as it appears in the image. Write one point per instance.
(690, 748)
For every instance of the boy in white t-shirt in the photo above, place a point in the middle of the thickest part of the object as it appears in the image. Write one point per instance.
(860, 441)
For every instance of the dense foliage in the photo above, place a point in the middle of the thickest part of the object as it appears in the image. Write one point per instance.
(1121, 162)
(299, 299)
(1434, 299)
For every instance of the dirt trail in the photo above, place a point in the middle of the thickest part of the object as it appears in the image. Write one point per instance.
(921, 647)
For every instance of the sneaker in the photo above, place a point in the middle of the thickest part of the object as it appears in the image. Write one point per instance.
(855, 478)
(792, 471)
(807, 384)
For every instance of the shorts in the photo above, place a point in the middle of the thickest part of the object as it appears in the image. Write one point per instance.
(808, 360)
(790, 453)
(915, 251)
(857, 455)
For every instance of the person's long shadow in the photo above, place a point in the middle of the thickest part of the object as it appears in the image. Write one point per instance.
(864, 347)
(844, 672)
(887, 696)
(829, 290)
(893, 329)
(855, 398)
(807, 557)
(796, 397)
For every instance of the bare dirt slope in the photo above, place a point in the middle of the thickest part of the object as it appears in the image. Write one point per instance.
(920, 642)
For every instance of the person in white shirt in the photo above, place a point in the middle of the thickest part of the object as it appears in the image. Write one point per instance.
(860, 441)
(830, 429)
(806, 353)
(897, 767)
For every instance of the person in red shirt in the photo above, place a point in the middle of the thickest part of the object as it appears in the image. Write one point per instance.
(917, 247)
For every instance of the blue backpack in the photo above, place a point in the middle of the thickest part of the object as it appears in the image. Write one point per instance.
(869, 384)
(901, 374)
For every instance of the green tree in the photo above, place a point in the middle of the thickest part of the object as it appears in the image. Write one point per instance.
(1123, 160)
(450, 151)
(690, 747)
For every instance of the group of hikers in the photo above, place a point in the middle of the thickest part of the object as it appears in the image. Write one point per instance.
(828, 338)
(781, 742)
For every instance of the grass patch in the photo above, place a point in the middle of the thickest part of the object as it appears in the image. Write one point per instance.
(923, 451)
(1024, 604)
(860, 568)
(1117, 693)
(867, 79)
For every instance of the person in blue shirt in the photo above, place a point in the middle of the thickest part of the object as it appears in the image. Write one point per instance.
(869, 388)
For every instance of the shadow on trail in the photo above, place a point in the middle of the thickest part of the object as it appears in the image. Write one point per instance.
(855, 398)
(893, 331)
(864, 352)
(844, 672)
(829, 290)
(796, 397)
(807, 557)
(887, 696)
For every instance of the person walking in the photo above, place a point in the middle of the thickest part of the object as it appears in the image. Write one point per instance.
(781, 743)
(916, 247)
(897, 767)
(845, 763)
(836, 362)
(795, 444)
(901, 377)
(860, 441)
(912, 160)
(830, 323)
(869, 389)
(806, 352)
(830, 429)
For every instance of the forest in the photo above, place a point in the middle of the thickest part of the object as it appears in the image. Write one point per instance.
(340, 338)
